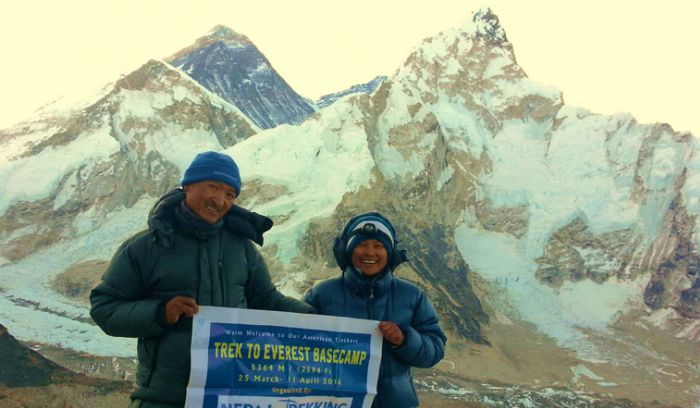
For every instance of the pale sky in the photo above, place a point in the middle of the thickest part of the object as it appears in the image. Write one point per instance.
(608, 56)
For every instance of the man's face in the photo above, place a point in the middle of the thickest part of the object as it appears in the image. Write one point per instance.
(209, 199)
(370, 257)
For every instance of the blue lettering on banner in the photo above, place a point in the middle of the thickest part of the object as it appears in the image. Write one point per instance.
(319, 404)
(272, 402)
(239, 405)
(289, 404)
(246, 362)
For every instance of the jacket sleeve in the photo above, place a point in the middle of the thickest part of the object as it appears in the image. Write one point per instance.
(311, 297)
(261, 293)
(424, 343)
(120, 304)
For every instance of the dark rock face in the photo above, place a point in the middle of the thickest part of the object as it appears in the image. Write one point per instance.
(574, 253)
(28, 379)
(437, 262)
(229, 65)
(675, 281)
(491, 30)
(22, 367)
(690, 301)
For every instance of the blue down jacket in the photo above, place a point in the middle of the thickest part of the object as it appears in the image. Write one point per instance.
(386, 297)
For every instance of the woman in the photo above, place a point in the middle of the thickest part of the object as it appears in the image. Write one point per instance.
(366, 253)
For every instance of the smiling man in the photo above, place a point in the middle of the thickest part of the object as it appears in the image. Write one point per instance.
(198, 250)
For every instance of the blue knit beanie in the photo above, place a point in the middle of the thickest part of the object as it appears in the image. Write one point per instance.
(366, 226)
(213, 166)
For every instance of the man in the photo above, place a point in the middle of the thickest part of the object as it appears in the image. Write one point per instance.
(197, 250)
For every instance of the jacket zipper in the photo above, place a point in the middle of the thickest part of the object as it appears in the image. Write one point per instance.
(221, 282)
(154, 362)
(222, 279)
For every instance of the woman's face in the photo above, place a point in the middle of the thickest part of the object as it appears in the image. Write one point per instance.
(370, 257)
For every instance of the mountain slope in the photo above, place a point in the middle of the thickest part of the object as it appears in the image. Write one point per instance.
(72, 189)
(133, 141)
(28, 368)
(29, 379)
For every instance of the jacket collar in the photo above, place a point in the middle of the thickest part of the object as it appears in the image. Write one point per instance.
(189, 223)
(247, 224)
(363, 286)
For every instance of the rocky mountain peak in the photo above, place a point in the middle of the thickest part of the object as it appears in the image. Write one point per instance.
(231, 66)
(227, 35)
(487, 26)
(140, 79)
(477, 51)
(219, 34)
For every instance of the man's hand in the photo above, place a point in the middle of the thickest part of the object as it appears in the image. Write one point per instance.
(178, 306)
(392, 333)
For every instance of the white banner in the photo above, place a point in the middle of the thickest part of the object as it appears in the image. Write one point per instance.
(243, 358)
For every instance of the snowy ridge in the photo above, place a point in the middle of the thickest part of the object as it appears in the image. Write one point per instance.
(58, 109)
(292, 156)
(216, 99)
(368, 88)
(106, 137)
(36, 177)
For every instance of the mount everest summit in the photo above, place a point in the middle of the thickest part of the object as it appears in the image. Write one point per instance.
(229, 64)
(558, 245)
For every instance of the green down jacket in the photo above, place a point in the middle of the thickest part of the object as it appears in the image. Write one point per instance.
(178, 255)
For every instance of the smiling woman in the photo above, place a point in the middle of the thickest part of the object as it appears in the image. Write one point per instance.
(366, 253)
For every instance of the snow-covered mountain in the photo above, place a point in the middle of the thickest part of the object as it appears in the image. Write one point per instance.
(72, 188)
(367, 87)
(132, 141)
(230, 65)
(559, 245)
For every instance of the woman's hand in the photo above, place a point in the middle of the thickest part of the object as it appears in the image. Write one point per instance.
(392, 333)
